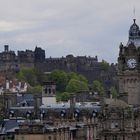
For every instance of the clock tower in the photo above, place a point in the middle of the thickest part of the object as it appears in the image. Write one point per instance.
(129, 67)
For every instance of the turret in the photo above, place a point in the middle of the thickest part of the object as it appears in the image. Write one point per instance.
(134, 34)
(6, 48)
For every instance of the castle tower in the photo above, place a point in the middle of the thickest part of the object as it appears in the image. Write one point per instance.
(129, 67)
(6, 48)
(39, 54)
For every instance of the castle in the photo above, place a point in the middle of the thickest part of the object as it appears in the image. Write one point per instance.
(87, 66)
(114, 119)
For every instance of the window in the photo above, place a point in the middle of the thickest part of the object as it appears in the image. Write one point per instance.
(45, 90)
(50, 90)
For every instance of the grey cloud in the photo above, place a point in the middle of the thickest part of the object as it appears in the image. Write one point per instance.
(81, 27)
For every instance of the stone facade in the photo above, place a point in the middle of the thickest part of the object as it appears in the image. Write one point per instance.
(87, 66)
(8, 61)
(26, 59)
(90, 67)
(117, 123)
(52, 132)
(49, 93)
(129, 67)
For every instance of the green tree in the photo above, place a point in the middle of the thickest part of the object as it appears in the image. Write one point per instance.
(82, 78)
(65, 96)
(28, 75)
(75, 86)
(97, 86)
(113, 92)
(41, 77)
(60, 78)
(104, 65)
(72, 75)
(79, 77)
(35, 89)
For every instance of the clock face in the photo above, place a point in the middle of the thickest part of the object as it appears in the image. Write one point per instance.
(131, 63)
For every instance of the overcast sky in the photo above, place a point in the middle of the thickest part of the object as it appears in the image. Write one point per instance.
(62, 27)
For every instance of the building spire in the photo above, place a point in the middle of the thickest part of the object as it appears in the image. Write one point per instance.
(134, 13)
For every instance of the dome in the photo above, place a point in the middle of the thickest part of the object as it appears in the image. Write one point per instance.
(134, 34)
(134, 31)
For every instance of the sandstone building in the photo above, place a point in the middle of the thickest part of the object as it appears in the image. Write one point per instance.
(129, 67)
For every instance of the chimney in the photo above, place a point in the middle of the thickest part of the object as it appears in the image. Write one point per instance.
(7, 84)
(19, 86)
(72, 104)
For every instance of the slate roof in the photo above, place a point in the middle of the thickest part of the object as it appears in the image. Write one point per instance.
(79, 105)
(9, 126)
(26, 98)
(115, 103)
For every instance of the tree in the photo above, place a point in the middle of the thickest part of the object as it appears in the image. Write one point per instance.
(63, 79)
(97, 86)
(60, 78)
(41, 77)
(104, 65)
(72, 75)
(65, 96)
(75, 86)
(82, 78)
(35, 89)
(28, 75)
(113, 92)
(79, 77)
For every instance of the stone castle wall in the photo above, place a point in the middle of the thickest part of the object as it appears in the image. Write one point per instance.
(87, 66)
